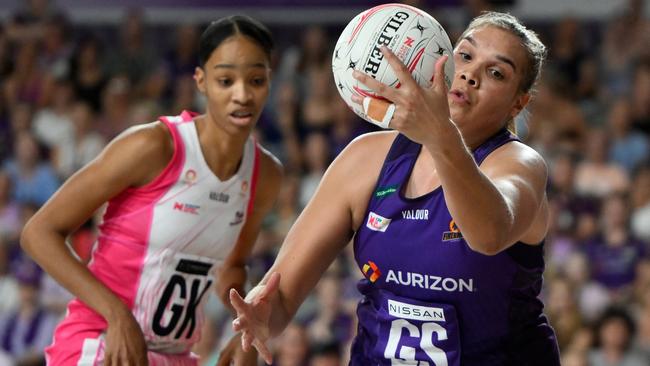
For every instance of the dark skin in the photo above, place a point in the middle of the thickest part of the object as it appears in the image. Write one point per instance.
(138, 156)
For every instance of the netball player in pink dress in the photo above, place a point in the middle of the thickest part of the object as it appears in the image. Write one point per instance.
(186, 196)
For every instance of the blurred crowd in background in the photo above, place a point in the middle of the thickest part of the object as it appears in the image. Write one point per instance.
(66, 90)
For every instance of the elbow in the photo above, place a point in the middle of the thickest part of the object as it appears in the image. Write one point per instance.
(488, 244)
(26, 235)
(29, 238)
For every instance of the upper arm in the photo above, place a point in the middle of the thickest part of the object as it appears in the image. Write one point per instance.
(519, 173)
(132, 159)
(268, 186)
(328, 221)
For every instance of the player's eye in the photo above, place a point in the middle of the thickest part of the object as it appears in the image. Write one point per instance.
(465, 56)
(225, 82)
(260, 81)
(496, 74)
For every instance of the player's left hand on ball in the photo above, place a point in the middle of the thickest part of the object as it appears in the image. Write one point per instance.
(233, 354)
(417, 110)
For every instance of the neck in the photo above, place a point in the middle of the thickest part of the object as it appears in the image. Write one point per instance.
(222, 150)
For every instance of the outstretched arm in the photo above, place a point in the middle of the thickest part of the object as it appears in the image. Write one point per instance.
(317, 237)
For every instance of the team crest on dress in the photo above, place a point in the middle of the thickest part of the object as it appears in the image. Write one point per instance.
(244, 187)
(190, 176)
(453, 233)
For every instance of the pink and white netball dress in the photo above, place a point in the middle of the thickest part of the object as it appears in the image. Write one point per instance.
(159, 248)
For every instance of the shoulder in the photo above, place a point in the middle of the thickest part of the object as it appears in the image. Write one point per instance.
(144, 150)
(368, 148)
(149, 139)
(517, 156)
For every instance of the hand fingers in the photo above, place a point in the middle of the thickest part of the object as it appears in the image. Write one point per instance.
(271, 285)
(263, 351)
(380, 89)
(247, 339)
(439, 78)
(240, 305)
(239, 324)
(400, 70)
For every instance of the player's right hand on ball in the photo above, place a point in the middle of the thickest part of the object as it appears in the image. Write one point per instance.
(125, 343)
(253, 315)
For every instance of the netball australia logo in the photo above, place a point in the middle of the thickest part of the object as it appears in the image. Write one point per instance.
(453, 233)
(377, 223)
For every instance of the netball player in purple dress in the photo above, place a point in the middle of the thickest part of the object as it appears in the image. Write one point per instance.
(448, 215)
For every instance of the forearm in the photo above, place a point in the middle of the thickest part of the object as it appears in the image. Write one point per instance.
(49, 250)
(476, 204)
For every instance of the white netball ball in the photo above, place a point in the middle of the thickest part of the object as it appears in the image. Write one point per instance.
(410, 33)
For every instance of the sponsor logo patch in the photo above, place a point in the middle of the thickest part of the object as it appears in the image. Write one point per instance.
(422, 214)
(382, 192)
(377, 223)
(403, 310)
(186, 208)
(371, 271)
(219, 197)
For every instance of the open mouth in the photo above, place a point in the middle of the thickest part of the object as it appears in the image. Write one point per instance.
(459, 96)
(241, 117)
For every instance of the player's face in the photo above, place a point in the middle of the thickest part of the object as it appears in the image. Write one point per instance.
(235, 80)
(490, 63)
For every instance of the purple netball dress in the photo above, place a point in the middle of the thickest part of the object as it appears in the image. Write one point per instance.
(428, 299)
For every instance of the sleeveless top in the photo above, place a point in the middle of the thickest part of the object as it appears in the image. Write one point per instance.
(428, 299)
(160, 245)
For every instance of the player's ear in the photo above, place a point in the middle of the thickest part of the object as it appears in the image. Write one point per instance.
(521, 101)
(199, 78)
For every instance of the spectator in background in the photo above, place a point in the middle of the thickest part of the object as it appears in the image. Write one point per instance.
(592, 297)
(293, 347)
(641, 98)
(555, 119)
(567, 50)
(116, 104)
(617, 55)
(87, 72)
(181, 59)
(9, 210)
(595, 175)
(640, 197)
(614, 334)
(33, 179)
(27, 82)
(85, 145)
(26, 331)
(562, 310)
(52, 125)
(330, 322)
(8, 284)
(316, 158)
(57, 49)
(133, 57)
(325, 354)
(628, 148)
(614, 253)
